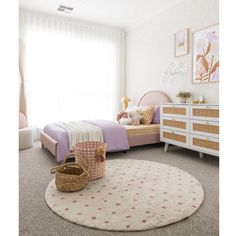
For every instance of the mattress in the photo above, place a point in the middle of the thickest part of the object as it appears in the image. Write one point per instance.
(137, 130)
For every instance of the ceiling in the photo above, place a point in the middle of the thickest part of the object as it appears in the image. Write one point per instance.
(125, 14)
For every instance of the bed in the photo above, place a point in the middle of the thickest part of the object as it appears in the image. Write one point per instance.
(55, 138)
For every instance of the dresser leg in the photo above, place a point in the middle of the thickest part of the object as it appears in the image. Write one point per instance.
(166, 147)
(201, 154)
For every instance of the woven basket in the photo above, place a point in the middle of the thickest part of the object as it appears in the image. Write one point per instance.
(95, 155)
(71, 177)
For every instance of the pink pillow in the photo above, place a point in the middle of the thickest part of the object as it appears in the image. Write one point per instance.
(22, 120)
(156, 115)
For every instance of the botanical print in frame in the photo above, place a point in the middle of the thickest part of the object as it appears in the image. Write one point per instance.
(206, 55)
(181, 43)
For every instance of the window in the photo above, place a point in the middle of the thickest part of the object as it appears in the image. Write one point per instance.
(71, 74)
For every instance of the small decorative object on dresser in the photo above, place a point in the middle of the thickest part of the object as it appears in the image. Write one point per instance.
(193, 126)
(183, 96)
(200, 99)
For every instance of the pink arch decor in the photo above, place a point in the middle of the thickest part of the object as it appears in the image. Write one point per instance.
(154, 98)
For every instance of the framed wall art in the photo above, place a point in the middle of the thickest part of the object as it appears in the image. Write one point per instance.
(206, 55)
(181, 43)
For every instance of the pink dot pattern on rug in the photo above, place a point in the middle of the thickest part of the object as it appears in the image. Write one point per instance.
(134, 195)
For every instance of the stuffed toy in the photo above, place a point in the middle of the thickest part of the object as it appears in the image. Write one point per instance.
(123, 118)
(125, 121)
(121, 114)
(136, 117)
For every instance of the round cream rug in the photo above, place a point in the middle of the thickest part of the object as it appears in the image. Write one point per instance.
(134, 195)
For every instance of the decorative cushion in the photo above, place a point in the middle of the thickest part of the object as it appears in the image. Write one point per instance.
(156, 115)
(22, 120)
(147, 113)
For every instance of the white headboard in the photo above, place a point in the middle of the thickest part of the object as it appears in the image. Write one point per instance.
(153, 98)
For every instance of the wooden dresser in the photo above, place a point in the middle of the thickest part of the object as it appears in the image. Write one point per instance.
(193, 126)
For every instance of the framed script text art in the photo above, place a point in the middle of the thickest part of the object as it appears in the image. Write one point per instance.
(181, 43)
(206, 55)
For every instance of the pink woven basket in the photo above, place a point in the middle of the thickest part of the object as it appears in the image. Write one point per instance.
(95, 156)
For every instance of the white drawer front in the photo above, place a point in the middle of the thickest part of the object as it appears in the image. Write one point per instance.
(175, 137)
(204, 144)
(173, 110)
(204, 112)
(206, 128)
(175, 123)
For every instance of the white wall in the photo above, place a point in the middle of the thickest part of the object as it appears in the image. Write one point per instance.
(150, 50)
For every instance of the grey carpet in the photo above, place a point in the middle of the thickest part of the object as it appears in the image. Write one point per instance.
(37, 219)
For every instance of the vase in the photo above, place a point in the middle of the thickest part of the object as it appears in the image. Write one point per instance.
(183, 100)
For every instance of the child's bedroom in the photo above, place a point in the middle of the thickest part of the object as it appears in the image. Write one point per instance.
(118, 130)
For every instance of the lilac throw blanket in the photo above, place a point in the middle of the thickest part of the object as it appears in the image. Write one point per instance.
(114, 135)
(60, 135)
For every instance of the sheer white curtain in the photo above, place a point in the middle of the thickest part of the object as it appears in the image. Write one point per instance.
(73, 70)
